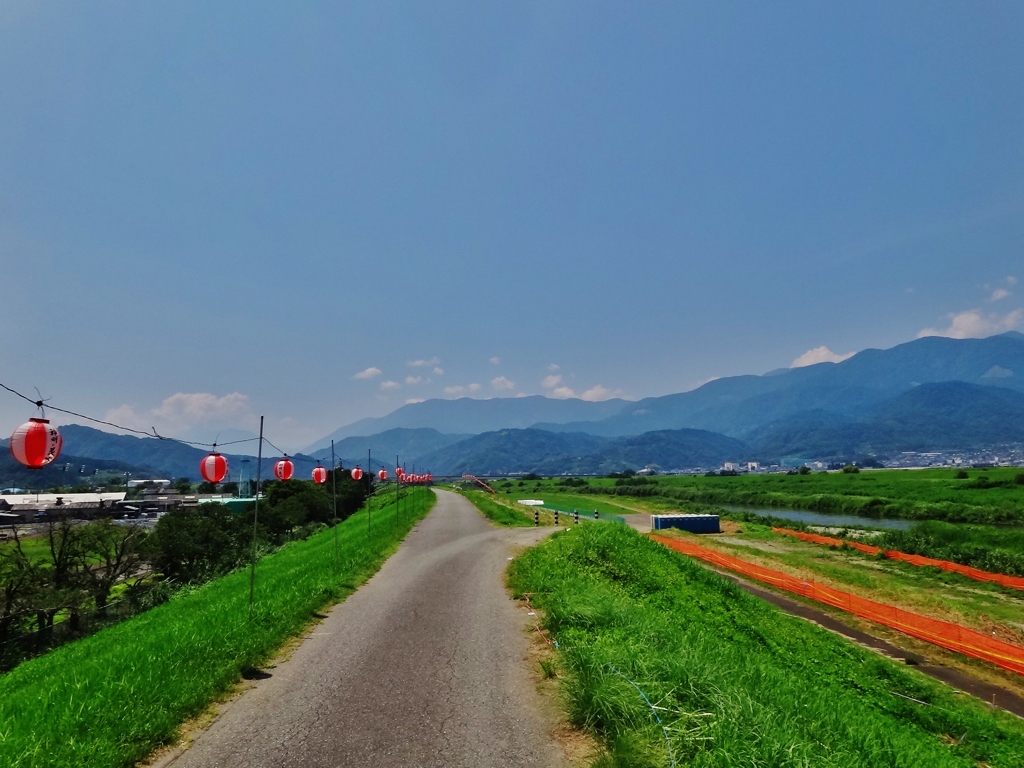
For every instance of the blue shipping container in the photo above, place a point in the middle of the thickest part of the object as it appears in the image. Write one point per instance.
(690, 523)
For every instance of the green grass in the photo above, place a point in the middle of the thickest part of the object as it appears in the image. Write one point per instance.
(110, 699)
(496, 512)
(736, 682)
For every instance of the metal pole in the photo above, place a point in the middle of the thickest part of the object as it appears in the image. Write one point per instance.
(255, 516)
(398, 484)
(334, 493)
(369, 468)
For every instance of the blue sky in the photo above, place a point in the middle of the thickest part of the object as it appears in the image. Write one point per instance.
(213, 211)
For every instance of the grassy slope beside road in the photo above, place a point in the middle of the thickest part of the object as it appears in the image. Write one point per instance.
(496, 512)
(110, 699)
(737, 682)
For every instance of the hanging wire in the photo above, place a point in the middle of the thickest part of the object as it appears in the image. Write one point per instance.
(41, 403)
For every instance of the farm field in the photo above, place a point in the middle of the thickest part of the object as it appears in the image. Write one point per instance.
(735, 681)
(111, 698)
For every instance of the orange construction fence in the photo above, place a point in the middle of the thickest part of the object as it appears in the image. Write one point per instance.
(1015, 582)
(941, 633)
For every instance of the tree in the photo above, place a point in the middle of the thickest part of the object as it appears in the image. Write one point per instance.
(192, 544)
(108, 553)
(804, 470)
(183, 485)
(205, 487)
(18, 579)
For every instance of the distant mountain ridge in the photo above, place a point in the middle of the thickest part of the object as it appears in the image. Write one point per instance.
(468, 416)
(532, 450)
(738, 405)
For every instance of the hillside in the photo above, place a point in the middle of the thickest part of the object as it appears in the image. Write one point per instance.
(159, 458)
(739, 405)
(15, 475)
(407, 444)
(468, 416)
(950, 415)
(533, 450)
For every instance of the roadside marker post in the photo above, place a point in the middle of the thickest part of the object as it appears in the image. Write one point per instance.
(556, 517)
(536, 516)
(595, 514)
(576, 517)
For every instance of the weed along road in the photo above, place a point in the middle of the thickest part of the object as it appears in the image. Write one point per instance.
(422, 666)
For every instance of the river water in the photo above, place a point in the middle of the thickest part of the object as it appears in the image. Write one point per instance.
(835, 521)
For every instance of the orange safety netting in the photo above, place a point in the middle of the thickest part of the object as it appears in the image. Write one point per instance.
(941, 633)
(1015, 582)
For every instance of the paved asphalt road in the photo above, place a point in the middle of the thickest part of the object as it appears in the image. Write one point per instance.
(422, 666)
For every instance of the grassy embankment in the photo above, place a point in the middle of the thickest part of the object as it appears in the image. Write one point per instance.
(502, 514)
(110, 699)
(736, 682)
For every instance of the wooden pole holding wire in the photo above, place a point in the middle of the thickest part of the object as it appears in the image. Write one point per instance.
(255, 517)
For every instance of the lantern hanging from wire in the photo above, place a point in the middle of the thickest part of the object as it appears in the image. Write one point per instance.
(35, 443)
(284, 469)
(382, 475)
(213, 467)
(357, 474)
(319, 475)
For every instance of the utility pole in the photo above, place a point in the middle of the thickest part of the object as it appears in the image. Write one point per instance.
(334, 493)
(255, 516)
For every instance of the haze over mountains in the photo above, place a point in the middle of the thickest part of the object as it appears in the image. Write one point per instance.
(929, 394)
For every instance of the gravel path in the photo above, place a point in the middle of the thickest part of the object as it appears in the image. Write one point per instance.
(422, 666)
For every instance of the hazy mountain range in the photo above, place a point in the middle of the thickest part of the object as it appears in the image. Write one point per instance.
(928, 394)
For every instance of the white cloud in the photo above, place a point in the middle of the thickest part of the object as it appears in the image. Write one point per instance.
(460, 391)
(975, 324)
(369, 373)
(819, 355)
(439, 371)
(502, 384)
(1011, 280)
(410, 380)
(184, 410)
(413, 400)
(387, 385)
(495, 361)
(998, 294)
(424, 363)
(563, 393)
(554, 367)
(551, 382)
(597, 393)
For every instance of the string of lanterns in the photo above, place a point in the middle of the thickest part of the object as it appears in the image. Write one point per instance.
(36, 444)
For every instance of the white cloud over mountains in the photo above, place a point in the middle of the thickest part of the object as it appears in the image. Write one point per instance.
(975, 324)
(503, 384)
(819, 355)
(424, 363)
(185, 410)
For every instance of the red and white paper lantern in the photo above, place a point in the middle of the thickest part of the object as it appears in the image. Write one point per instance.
(213, 468)
(319, 475)
(357, 474)
(382, 475)
(284, 469)
(35, 443)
